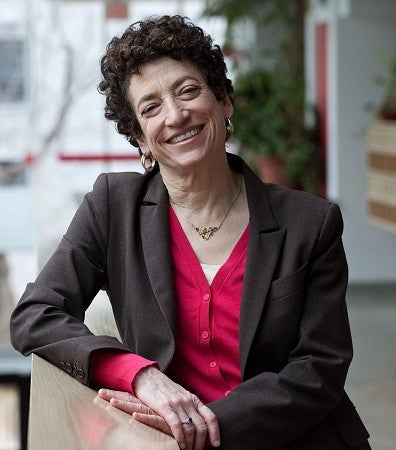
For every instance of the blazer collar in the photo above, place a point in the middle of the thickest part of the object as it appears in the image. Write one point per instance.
(154, 225)
(264, 250)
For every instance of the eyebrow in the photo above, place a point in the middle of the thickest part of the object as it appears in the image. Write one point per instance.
(174, 85)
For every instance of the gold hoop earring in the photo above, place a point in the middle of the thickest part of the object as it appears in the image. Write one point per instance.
(229, 129)
(148, 158)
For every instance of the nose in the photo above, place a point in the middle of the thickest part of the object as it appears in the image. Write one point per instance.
(175, 113)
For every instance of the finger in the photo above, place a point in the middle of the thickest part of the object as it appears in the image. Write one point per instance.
(108, 394)
(129, 407)
(153, 421)
(184, 434)
(189, 434)
(200, 430)
(211, 422)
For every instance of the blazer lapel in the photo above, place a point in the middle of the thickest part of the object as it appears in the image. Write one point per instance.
(265, 244)
(154, 226)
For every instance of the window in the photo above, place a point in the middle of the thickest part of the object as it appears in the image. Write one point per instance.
(12, 173)
(12, 88)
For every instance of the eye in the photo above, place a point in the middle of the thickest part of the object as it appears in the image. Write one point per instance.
(150, 110)
(189, 92)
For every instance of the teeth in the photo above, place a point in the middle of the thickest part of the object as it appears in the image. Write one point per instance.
(184, 136)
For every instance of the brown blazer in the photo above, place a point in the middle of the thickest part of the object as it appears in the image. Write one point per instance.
(295, 344)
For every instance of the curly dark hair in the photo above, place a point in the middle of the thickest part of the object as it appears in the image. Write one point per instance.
(146, 41)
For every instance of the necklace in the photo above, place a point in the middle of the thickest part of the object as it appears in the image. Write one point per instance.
(208, 231)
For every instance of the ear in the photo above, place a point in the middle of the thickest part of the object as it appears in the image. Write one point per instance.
(142, 144)
(228, 107)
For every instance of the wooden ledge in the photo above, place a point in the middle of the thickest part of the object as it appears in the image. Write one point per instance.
(64, 414)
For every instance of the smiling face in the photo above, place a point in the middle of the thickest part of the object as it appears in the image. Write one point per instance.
(181, 120)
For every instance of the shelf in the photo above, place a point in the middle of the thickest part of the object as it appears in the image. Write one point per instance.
(381, 174)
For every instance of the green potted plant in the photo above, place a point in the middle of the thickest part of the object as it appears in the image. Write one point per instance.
(270, 129)
(387, 108)
(270, 107)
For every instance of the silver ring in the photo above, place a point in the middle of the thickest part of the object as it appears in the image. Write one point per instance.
(186, 422)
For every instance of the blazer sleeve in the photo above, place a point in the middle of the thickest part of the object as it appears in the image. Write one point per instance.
(271, 409)
(48, 319)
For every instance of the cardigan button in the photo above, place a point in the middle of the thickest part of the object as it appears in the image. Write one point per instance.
(206, 297)
(213, 364)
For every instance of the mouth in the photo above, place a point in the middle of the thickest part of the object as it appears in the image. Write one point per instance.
(183, 137)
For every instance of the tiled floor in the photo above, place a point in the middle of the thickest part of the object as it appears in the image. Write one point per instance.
(9, 417)
(372, 377)
(371, 383)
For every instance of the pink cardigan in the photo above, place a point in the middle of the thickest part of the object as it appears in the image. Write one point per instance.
(206, 360)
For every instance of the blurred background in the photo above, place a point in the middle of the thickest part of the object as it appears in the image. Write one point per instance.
(315, 96)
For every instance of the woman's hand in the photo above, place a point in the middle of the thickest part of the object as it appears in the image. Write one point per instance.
(124, 401)
(138, 410)
(166, 406)
(176, 405)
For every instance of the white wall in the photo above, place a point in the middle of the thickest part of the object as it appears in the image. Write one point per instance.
(54, 188)
(359, 32)
(59, 186)
(361, 41)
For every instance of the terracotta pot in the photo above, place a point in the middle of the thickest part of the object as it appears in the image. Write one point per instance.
(388, 110)
(272, 169)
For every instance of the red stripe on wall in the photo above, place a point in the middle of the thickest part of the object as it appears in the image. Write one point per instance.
(321, 77)
(98, 157)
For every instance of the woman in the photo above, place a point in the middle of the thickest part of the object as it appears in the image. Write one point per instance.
(229, 294)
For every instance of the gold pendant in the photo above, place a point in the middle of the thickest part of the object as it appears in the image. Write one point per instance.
(206, 232)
